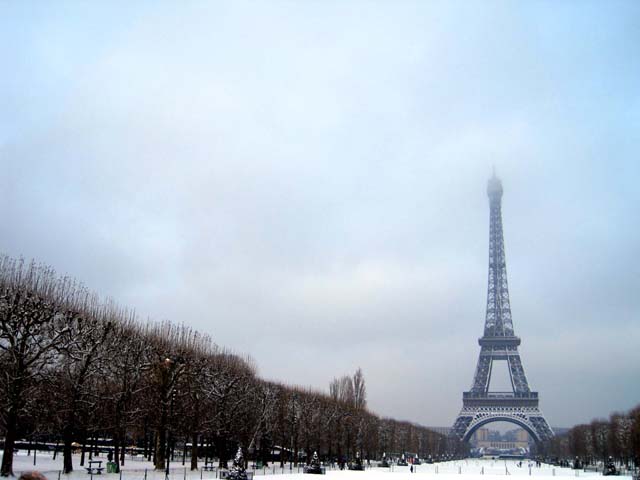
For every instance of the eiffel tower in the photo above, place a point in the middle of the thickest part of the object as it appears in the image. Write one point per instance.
(479, 405)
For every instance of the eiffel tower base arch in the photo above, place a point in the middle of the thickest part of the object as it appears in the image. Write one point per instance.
(530, 419)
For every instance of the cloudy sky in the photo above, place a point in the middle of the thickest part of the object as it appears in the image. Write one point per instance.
(306, 181)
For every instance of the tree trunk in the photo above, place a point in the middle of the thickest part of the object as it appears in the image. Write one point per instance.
(116, 451)
(194, 452)
(221, 447)
(282, 452)
(264, 450)
(84, 446)
(146, 445)
(123, 443)
(66, 450)
(160, 448)
(9, 444)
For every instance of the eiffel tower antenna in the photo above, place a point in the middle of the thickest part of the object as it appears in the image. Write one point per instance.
(499, 342)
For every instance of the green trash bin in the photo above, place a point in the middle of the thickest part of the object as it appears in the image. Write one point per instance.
(111, 467)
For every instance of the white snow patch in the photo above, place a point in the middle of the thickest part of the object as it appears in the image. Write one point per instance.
(140, 469)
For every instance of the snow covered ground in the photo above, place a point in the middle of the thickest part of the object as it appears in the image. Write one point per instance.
(143, 470)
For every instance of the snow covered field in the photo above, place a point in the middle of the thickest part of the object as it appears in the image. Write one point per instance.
(141, 470)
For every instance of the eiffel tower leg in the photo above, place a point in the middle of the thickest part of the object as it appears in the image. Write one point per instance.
(518, 378)
(542, 427)
(482, 376)
(461, 425)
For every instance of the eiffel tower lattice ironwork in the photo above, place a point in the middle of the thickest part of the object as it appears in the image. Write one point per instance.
(479, 405)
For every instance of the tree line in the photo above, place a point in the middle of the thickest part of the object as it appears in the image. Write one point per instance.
(617, 437)
(76, 368)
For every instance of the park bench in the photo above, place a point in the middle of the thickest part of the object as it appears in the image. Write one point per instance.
(318, 470)
(225, 474)
(95, 467)
(209, 466)
(610, 470)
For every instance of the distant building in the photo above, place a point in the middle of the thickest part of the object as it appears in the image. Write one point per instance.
(492, 439)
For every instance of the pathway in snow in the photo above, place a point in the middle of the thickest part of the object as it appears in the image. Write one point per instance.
(143, 470)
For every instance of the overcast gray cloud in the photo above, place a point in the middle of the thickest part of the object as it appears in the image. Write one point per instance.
(305, 181)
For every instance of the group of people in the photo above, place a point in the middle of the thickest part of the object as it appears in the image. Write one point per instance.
(610, 468)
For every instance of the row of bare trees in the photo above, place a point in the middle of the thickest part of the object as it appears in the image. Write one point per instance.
(75, 369)
(618, 438)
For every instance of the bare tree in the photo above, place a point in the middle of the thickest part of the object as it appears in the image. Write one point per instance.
(31, 299)
(126, 368)
(359, 390)
(263, 401)
(166, 366)
(80, 355)
(112, 376)
(228, 382)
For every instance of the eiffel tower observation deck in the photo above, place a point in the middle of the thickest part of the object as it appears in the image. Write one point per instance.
(499, 342)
